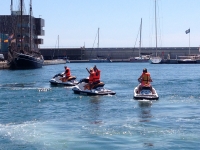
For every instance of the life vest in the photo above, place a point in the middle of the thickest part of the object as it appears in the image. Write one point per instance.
(67, 72)
(146, 79)
(91, 77)
(96, 77)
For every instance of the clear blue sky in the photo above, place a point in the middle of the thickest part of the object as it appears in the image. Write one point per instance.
(77, 21)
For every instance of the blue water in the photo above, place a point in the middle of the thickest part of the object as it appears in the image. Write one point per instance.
(35, 115)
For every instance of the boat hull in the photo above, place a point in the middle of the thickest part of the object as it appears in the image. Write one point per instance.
(155, 60)
(99, 89)
(57, 81)
(93, 92)
(23, 61)
(187, 61)
(145, 94)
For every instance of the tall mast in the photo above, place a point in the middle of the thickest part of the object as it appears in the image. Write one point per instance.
(140, 37)
(21, 3)
(30, 28)
(98, 38)
(156, 27)
(58, 41)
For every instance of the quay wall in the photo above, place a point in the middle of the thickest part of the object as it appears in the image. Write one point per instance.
(116, 53)
(113, 53)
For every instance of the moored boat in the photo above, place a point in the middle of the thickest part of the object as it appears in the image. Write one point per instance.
(23, 43)
(155, 59)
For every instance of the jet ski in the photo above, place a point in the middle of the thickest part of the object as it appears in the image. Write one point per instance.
(57, 80)
(98, 89)
(145, 93)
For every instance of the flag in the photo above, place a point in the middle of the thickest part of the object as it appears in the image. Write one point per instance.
(187, 31)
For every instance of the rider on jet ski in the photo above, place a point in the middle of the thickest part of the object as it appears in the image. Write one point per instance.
(94, 77)
(67, 74)
(145, 80)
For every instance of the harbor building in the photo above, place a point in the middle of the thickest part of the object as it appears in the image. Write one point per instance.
(9, 24)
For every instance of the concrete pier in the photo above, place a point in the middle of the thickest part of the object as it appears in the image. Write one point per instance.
(54, 62)
(3, 64)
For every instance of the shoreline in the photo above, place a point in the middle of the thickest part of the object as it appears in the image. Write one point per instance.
(3, 64)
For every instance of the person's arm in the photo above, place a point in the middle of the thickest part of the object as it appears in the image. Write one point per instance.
(150, 80)
(140, 77)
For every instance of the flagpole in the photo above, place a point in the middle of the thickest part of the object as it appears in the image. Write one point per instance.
(189, 43)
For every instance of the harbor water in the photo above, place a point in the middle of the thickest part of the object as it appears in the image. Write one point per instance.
(37, 116)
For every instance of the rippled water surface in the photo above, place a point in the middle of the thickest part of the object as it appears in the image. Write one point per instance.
(36, 115)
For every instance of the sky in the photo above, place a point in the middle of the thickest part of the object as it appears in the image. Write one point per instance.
(76, 22)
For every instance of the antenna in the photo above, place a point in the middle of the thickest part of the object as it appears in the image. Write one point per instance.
(11, 6)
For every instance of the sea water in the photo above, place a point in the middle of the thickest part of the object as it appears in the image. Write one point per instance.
(36, 115)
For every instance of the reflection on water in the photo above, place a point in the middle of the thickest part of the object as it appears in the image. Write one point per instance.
(148, 145)
(145, 116)
(95, 110)
(145, 111)
(17, 85)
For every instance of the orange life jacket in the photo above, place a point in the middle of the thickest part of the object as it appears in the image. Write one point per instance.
(67, 72)
(96, 76)
(91, 77)
(146, 79)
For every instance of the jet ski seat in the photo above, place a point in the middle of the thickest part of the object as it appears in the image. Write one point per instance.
(146, 88)
(100, 84)
(71, 78)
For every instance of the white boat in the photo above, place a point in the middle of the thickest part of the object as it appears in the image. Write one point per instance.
(155, 59)
(140, 58)
(187, 60)
(145, 94)
(99, 59)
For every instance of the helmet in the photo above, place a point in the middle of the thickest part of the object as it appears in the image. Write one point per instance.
(91, 69)
(144, 70)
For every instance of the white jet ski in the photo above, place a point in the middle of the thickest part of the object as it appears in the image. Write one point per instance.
(98, 89)
(57, 80)
(145, 94)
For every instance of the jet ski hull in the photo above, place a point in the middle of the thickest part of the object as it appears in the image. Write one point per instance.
(93, 92)
(56, 80)
(145, 94)
(98, 90)
(53, 82)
